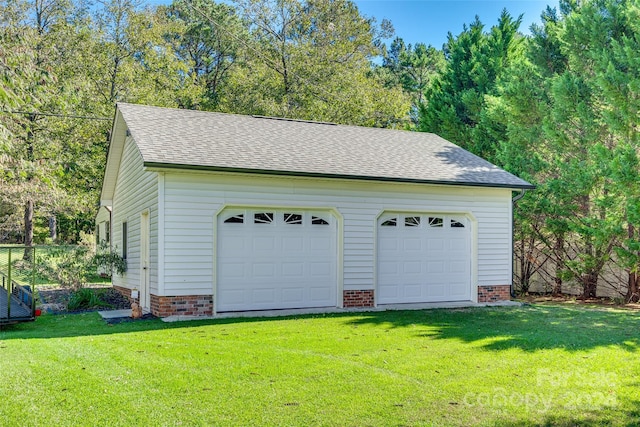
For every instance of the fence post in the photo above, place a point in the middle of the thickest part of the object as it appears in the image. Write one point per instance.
(9, 288)
(33, 283)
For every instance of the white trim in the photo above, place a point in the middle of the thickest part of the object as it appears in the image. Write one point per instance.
(145, 259)
(160, 233)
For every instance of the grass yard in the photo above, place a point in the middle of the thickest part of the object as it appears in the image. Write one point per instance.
(536, 365)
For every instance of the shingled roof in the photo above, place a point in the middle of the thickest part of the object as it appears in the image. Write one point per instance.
(185, 139)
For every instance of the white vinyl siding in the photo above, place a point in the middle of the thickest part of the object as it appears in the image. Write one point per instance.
(193, 200)
(136, 191)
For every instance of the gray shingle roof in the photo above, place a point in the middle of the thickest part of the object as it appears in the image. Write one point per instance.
(203, 140)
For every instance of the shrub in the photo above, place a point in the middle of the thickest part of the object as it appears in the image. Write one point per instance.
(67, 265)
(109, 260)
(85, 299)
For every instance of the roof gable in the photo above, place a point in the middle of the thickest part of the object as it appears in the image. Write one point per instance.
(186, 139)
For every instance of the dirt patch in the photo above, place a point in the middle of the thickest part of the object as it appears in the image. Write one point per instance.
(56, 300)
(573, 300)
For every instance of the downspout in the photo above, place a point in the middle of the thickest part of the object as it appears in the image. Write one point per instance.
(513, 232)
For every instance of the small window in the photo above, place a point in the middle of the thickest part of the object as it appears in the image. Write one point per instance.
(435, 221)
(236, 219)
(290, 218)
(412, 221)
(316, 220)
(263, 218)
(456, 224)
(125, 239)
(107, 231)
(391, 222)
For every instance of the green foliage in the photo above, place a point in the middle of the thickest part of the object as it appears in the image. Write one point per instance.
(312, 60)
(109, 260)
(68, 266)
(414, 68)
(457, 101)
(86, 299)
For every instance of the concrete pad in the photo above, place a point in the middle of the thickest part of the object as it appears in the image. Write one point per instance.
(327, 310)
(114, 314)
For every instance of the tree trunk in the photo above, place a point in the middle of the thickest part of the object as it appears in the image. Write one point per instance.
(589, 285)
(53, 228)
(28, 230)
(557, 280)
(633, 293)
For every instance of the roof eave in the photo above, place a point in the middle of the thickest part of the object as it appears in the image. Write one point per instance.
(114, 154)
(174, 166)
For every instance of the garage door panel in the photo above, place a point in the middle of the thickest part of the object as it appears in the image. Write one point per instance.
(233, 269)
(263, 269)
(388, 244)
(436, 291)
(293, 269)
(435, 244)
(388, 268)
(321, 244)
(233, 297)
(293, 295)
(321, 269)
(388, 292)
(459, 289)
(458, 266)
(435, 267)
(264, 244)
(286, 260)
(263, 296)
(292, 244)
(413, 244)
(412, 290)
(319, 294)
(428, 261)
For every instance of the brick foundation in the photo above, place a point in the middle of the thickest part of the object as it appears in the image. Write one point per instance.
(126, 292)
(494, 293)
(188, 305)
(357, 299)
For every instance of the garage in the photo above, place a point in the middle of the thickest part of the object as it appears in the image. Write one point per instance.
(423, 258)
(271, 259)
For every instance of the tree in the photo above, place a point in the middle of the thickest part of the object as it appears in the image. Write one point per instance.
(207, 39)
(456, 101)
(311, 60)
(414, 68)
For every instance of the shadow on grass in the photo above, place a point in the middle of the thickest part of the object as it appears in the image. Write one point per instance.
(529, 328)
(614, 416)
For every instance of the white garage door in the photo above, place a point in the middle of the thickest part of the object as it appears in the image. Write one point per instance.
(276, 259)
(423, 258)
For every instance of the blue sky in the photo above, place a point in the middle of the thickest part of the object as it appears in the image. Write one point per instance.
(429, 21)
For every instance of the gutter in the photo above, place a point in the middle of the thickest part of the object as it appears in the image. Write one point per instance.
(514, 200)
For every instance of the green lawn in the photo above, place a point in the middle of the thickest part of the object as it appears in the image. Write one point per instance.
(537, 365)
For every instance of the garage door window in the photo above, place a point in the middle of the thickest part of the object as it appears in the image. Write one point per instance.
(263, 218)
(316, 220)
(291, 218)
(412, 221)
(235, 219)
(436, 222)
(456, 224)
(391, 222)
